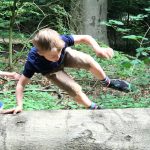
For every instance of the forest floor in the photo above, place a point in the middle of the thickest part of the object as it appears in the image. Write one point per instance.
(42, 94)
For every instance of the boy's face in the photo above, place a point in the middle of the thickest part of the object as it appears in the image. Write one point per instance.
(51, 55)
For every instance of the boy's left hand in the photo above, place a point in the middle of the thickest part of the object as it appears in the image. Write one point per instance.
(105, 52)
(11, 111)
(16, 76)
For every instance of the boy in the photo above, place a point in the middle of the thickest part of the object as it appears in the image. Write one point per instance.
(52, 53)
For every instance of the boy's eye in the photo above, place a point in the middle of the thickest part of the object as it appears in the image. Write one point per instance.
(59, 49)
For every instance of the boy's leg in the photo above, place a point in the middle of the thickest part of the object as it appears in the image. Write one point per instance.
(65, 82)
(76, 59)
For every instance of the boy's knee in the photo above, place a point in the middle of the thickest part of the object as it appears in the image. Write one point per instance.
(75, 90)
(90, 62)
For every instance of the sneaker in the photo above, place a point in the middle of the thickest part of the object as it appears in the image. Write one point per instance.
(99, 107)
(95, 106)
(120, 85)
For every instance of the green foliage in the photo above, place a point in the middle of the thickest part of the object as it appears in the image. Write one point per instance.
(141, 40)
(135, 37)
(18, 19)
(112, 23)
(115, 22)
(135, 17)
(128, 20)
(121, 66)
(110, 101)
(32, 101)
(36, 15)
(139, 17)
(147, 9)
(143, 51)
(122, 30)
(61, 20)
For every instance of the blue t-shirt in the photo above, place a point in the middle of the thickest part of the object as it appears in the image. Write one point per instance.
(38, 64)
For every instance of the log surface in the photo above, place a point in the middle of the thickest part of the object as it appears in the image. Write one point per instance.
(115, 129)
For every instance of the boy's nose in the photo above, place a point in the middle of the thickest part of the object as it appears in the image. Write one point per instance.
(56, 59)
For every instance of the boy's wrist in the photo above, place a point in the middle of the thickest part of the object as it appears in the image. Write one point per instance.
(19, 106)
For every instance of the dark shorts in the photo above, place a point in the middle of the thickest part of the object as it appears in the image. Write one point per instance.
(72, 59)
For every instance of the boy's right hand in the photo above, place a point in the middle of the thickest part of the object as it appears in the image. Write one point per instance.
(104, 52)
(18, 109)
(15, 110)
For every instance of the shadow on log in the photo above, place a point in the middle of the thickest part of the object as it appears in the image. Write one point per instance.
(121, 129)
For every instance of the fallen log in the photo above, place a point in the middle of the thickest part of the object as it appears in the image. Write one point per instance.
(116, 129)
(6, 41)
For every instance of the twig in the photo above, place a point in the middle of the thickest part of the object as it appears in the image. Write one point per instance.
(141, 46)
(41, 21)
(145, 35)
(92, 87)
(39, 8)
(27, 90)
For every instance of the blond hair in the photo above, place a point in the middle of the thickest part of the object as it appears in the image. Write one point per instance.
(47, 39)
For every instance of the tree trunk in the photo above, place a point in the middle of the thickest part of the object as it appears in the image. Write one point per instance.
(10, 43)
(76, 130)
(87, 19)
(12, 21)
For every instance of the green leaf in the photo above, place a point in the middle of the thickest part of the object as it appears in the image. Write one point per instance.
(139, 50)
(105, 23)
(135, 62)
(147, 9)
(126, 64)
(134, 37)
(142, 51)
(138, 17)
(115, 22)
(144, 54)
(123, 30)
(146, 60)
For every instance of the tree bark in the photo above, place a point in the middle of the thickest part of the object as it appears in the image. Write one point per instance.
(76, 130)
(87, 19)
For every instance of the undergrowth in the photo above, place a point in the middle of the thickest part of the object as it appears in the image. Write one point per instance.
(42, 95)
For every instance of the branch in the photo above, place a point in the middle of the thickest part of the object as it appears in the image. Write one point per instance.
(145, 35)
(41, 21)
(27, 90)
(39, 8)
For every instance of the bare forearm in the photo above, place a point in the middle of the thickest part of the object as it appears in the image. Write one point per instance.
(86, 39)
(11, 75)
(89, 40)
(92, 42)
(2, 73)
(19, 95)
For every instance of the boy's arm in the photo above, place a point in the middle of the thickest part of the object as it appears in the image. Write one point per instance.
(19, 95)
(100, 51)
(11, 75)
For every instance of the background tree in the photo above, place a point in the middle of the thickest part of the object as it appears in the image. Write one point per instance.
(19, 19)
(135, 18)
(11, 16)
